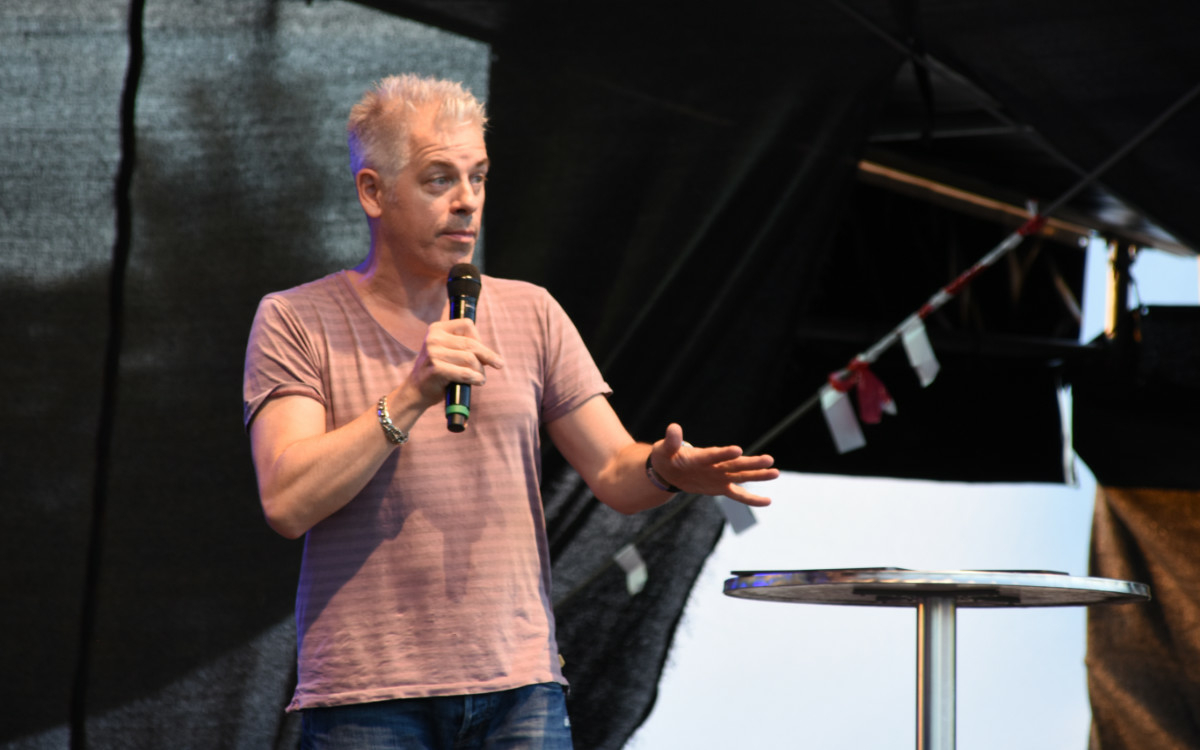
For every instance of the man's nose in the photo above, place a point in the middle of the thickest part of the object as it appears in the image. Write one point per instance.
(468, 197)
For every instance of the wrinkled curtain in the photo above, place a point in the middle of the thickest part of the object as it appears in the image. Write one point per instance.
(163, 166)
(1135, 422)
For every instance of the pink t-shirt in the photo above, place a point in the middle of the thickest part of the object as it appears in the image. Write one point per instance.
(435, 579)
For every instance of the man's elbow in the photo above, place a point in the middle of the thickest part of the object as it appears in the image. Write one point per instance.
(282, 522)
(286, 531)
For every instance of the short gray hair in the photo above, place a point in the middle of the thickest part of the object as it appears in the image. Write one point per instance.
(380, 121)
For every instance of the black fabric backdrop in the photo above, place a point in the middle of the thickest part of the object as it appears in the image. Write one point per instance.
(683, 182)
(61, 71)
(683, 279)
(238, 185)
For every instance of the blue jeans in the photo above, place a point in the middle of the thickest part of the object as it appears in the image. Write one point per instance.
(533, 717)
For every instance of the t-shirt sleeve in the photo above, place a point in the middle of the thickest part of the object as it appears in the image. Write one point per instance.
(281, 359)
(572, 376)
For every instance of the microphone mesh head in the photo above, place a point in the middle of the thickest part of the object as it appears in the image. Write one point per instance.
(464, 281)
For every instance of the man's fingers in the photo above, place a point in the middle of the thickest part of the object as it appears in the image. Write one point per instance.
(741, 495)
(745, 463)
(489, 357)
(710, 456)
(673, 439)
(719, 470)
(460, 345)
(757, 475)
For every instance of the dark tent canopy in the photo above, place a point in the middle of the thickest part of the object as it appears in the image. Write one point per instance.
(731, 202)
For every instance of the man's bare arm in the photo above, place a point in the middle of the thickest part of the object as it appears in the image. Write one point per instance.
(613, 464)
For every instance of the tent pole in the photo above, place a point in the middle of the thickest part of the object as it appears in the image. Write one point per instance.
(1117, 321)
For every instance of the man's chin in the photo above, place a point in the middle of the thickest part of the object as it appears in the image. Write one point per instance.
(459, 252)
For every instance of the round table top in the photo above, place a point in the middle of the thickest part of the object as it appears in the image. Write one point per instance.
(899, 587)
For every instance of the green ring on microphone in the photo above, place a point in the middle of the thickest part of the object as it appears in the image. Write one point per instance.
(458, 409)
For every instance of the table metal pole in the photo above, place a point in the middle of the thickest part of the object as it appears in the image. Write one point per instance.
(935, 673)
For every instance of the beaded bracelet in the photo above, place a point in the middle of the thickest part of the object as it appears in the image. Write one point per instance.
(395, 435)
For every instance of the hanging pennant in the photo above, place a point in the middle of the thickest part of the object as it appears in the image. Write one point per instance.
(737, 515)
(634, 566)
(839, 415)
(873, 397)
(920, 352)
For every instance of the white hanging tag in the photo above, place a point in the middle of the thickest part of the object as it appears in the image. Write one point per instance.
(919, 350)
(739, 516)
(839, 415)
(634, 566)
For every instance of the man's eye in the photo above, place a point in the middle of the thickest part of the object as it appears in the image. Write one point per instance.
(479, 179)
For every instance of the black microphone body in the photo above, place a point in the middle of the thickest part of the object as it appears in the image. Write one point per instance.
(463, 287)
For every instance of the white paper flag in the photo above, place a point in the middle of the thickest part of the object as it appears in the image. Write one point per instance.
(839, 415)
(919, 350)
(634, 566)
(739, 516)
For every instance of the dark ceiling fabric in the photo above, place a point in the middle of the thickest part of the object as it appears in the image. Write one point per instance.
(1087, 76)
(1135, 411)
(62, 66)
(1016, 98)
(1144, 659)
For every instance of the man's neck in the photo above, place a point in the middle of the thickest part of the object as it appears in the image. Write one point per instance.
(422, 297)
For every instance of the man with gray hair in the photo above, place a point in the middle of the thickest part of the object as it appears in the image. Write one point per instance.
(423, 609)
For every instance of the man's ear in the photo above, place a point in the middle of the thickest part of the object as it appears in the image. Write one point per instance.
(370, 191)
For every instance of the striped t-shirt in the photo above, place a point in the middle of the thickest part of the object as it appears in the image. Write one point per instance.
(435, 579)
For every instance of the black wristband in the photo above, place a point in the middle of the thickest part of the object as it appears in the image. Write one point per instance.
(657, 480)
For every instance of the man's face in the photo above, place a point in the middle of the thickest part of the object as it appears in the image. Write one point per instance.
(433, 208)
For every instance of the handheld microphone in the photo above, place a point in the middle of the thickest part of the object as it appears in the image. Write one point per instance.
(463, 287)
